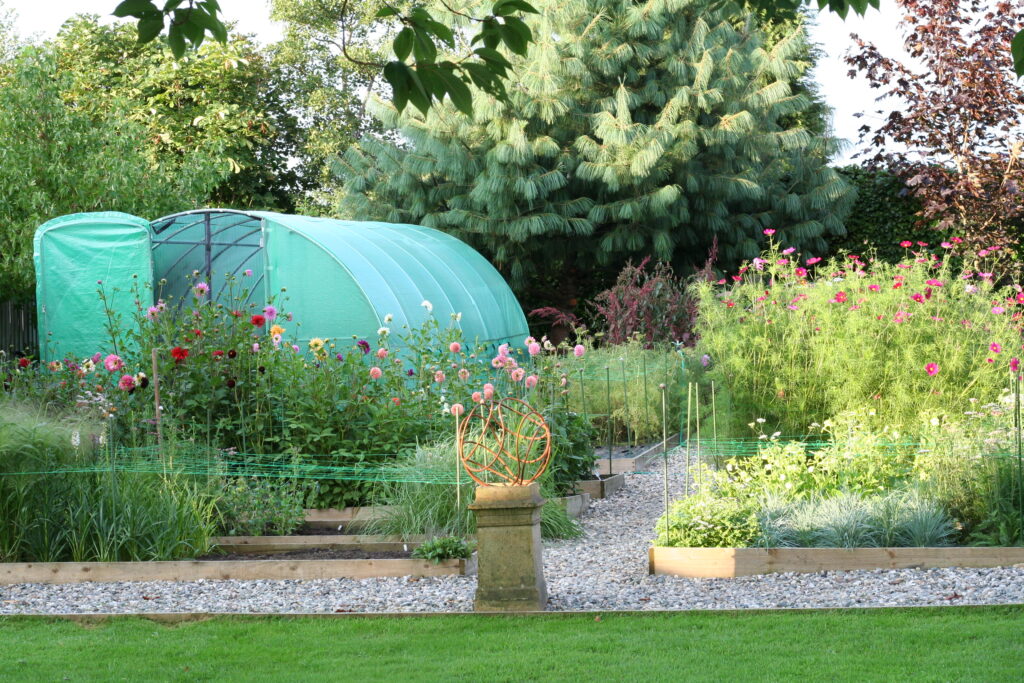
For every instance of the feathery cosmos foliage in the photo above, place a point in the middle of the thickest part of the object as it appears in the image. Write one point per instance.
(634, 129)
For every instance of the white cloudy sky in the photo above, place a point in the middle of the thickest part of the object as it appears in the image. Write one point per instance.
(846, 96)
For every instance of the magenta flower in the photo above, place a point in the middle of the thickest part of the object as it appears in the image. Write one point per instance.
(247, 272)
(578, 350)
(932, 368)
(126, 383)
(769, 231)
(788, 250)
(906, 244)
(995, 348)
(811, 261)
(840, 298)
(998, 310)
(933, 283)
(918, 297)
(269, 312)
(874, 288)
(1014, 364)
(800, 272)
(363, 345)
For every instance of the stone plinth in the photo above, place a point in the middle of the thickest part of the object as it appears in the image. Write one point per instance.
(510, 573)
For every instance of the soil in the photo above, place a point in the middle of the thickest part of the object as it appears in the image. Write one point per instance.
(313, 554)
(306, 530)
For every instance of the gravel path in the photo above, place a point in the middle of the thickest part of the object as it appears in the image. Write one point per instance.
(604, 570)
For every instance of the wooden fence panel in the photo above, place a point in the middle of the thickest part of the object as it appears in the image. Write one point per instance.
(18, 327)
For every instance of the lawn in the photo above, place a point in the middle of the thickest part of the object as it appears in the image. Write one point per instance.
(982, 643)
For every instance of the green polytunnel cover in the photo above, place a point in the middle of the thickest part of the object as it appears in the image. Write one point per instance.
(77, 255)
(341, 278)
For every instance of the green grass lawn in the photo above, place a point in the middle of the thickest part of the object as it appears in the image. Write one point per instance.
(984, 644)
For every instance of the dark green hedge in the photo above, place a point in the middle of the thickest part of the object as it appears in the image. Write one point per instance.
(882, 216)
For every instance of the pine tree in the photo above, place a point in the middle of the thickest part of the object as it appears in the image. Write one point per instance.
(634, 128)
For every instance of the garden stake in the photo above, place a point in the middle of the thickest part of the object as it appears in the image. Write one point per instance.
(156, 406)
(458, 475)
(1020, 490)
(625, 401)
(664, 452)
(583, 395)
(714, 423)
(689, 398)
(696, 411)
(647, 406)
(608, 397)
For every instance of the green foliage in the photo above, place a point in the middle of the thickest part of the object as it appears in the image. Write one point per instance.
(651, 305)
(630, 133)
(94, 515)
(704, 521)
(187, 24)
(262, 507)
(898, 519)
(444, 548)
(229, 100)
(797, 345)
(883, 215)
(572, 449)
(65, 154)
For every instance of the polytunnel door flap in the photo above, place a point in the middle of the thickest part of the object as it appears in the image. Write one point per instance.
(75, 257)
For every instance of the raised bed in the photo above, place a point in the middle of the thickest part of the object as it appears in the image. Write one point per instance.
(635, 463)
(193, 570)
(345, 519)
(285, 544)
(732, 562)
(601, 488)
(575, 505)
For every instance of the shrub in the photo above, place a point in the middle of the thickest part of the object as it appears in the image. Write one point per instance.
(651, 305)
(709, 521)
(262, 507)
(572, 449)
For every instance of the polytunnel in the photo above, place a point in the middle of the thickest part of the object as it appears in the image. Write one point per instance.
(337, 278)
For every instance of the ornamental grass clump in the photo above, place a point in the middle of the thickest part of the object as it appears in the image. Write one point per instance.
(798, 340)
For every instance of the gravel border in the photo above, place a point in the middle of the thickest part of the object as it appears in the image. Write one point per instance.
(605, 570)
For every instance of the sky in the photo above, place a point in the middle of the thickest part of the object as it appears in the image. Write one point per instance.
(846, 96)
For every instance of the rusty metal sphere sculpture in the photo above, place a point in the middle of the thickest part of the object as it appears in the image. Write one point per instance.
(504, 442)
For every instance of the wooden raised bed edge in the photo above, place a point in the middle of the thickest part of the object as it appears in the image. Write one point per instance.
(244, 570)
(636, 463)
(732, 562)
(601, 488)
(283, 544)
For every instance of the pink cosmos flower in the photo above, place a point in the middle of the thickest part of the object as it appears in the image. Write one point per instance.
(477, 397)
(269, 312)
(533, 348)
(922, 244)
(840, 298)
(126, 383)
(947, 245)
(531, 381)
(957, 240)
(438, 376)
(933, 283)
(578, 350)
(768, 231)
(759, 263)
(918, 297)
(792, 307)
(782, 261)
(811, 261)
(464, 374)
(983, 253)
(788, 250)
(201, 289)
(995, 348)
(455, 347)
(998, 310)
(375, 372)
(906, 244)
(874, 288)
(932, 368)
(985, 276)
(990, 360)
(113, 363)
(457, 409)
(800, 272)
(1014, 364)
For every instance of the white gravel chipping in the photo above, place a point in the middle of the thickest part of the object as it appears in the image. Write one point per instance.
(605, 570)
